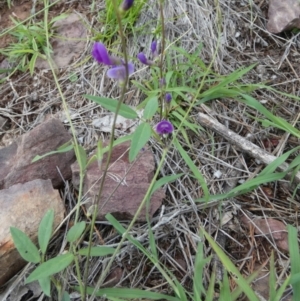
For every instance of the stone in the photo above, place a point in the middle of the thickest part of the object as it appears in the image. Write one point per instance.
(127, 182)
(16, 159)
(23, 206)
(68, 44)
(283, 15)
(270, 227)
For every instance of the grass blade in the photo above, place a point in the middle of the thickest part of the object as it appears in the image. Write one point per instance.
(232, 269)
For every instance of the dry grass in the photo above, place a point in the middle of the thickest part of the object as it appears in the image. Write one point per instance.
(236, 38)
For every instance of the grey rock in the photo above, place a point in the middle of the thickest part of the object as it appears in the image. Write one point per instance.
(283, 15)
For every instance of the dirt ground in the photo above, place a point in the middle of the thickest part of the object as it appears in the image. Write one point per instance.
(26, 101)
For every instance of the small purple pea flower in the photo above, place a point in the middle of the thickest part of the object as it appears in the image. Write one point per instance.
(164, 127)
(126, 5)
(101, 55)
(119, 72)
(154, 48)
(142, 58)
(168, 97)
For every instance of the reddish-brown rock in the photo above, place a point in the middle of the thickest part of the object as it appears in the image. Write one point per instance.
(23, 206)
(271, 228)
(16, 159)
(68, 44)
(131, 181)
(283, 15)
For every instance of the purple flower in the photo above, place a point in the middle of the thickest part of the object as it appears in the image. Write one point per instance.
(162, 82)
(119, 72)
(101, 55)
(154, 48)
(142, 58)
(126, 4)
(168, 97)
(164, 127)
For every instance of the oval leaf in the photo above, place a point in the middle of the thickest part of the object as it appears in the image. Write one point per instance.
(151, 108)
(66, 297)
(97, 251)
(111, 105)
(50, 267)
(75, 231)
(140, 137)
(45, 230)
(45, 284)
(25, 246)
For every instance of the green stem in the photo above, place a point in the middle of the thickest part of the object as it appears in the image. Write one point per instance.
(122, 97)
(124, 236)
(163, 41)
(78, 274)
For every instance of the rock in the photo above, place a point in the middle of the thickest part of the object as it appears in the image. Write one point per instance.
(16, 159)
(113, 278)
(23, 206)
(283, 15)
(68, 45)
(270, 227)
(131, 181)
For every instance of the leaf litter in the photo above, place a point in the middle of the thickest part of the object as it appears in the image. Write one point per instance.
(244, 40)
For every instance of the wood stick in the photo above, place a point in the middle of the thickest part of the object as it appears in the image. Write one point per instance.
(242, 143)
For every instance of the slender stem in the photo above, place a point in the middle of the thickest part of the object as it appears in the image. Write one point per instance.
(161, 65)
(81, 286)
(75, 144)
(124, 236)
(122, 97)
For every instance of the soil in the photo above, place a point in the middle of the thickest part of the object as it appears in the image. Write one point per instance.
(26, 101)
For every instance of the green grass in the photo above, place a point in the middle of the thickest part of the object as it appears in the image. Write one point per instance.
(191, 83)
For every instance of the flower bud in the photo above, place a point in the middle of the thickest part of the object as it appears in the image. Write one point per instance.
(126, 5)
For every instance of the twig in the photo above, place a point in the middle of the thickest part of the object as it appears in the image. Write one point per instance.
(242, 143)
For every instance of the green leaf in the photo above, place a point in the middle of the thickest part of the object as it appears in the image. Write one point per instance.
(164, 180)
(32, 63)
(81, 156)
(152, 244)
(97, 251)
(272, 278)
(140, 137)
(111, 105)
(193, 168)
(129, 293)
(51, 267)
(75, 232)
(240, 281)
(225, 294)
(45, 230)
(180, 291)
(66, 297)
(45, 284)
(277, 121)
(295, 259)
(25, 246)
(58, 151)
(253, 183)
(59, 17)
(189, 125)
(211, 286)
(294, 279)
(151, 108)
(200, 263)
